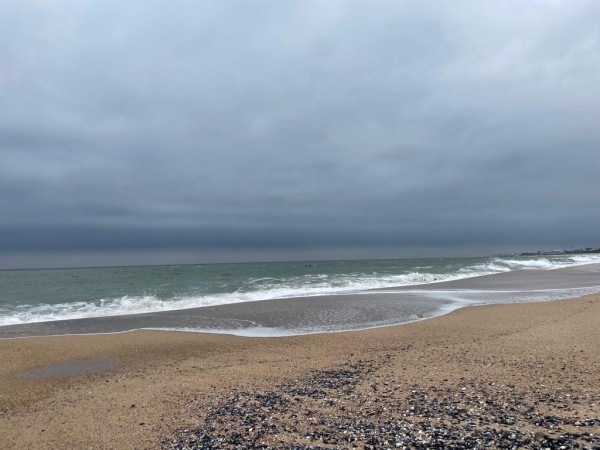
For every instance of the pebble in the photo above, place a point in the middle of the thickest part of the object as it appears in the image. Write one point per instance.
(302, 415)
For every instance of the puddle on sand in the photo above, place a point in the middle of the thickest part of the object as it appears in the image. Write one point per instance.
(70, 368)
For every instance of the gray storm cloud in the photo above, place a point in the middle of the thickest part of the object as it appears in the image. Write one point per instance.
(294, 125)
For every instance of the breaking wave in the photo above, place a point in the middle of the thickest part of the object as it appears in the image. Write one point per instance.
(266, 288)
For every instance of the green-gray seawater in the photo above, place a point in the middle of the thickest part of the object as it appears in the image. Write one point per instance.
(28, 296)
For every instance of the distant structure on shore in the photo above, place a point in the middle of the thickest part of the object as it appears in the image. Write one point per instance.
(562, 252)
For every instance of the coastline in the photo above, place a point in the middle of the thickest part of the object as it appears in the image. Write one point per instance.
(360, 310)
(162, 383)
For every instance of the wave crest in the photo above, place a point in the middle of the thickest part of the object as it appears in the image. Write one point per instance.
(266, 288)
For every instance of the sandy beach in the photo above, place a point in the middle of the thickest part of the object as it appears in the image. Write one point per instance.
(526, 374)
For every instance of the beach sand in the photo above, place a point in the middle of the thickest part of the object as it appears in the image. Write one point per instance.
(527, 374)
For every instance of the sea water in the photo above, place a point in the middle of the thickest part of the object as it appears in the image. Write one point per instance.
(41, 295)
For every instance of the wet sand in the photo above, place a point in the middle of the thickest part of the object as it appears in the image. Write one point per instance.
(521, 374)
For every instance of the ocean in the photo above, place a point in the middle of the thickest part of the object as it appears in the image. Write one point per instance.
(45, 295)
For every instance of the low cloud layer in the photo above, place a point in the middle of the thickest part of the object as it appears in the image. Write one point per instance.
(298, 126)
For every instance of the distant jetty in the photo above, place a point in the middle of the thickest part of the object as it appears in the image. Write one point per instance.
(562, 252)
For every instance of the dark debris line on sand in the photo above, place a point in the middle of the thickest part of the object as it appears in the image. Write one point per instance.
(331, 409)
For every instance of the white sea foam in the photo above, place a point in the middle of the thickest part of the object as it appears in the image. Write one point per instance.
(267, 288)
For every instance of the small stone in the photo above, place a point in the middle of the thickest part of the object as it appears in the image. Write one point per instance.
(539, 436)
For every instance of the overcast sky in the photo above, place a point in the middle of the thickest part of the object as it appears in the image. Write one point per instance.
(191, 131)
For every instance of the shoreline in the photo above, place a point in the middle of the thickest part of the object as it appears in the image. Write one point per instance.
(163, 383)
(277, 336)
(363, 310)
